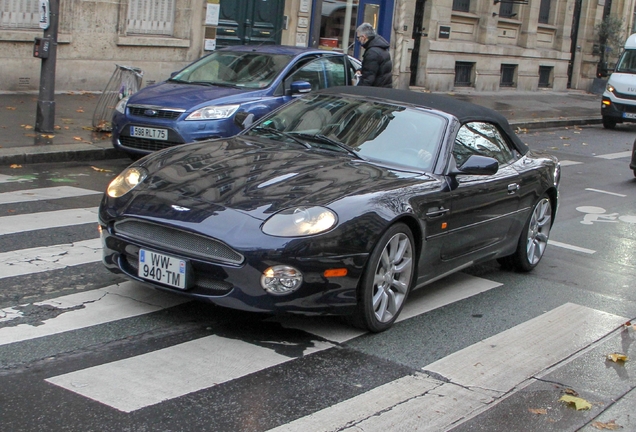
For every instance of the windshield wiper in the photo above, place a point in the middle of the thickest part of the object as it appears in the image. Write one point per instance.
(281, 134)
(326, 140)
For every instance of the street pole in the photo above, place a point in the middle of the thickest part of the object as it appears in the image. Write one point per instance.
(45, 114)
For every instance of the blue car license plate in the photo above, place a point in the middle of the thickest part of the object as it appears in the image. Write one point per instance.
(151, 133)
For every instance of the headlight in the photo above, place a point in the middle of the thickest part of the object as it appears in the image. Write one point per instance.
(126, 181)
(610, 88)
(213, 112)
(121, 105)
(300, 221)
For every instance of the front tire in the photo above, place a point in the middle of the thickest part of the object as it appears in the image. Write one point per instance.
(386, 281)
(608, 122)
(533, 239)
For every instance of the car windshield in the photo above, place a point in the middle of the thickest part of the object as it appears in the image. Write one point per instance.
(375, 131)
(234, 68)
(627, 62)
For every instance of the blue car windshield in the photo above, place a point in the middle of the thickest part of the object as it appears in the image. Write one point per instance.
(234, 68)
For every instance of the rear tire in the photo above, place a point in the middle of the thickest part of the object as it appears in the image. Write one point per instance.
(608, 122)
(386, 281)
(533, 239)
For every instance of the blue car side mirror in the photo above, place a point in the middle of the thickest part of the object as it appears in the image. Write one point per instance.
(300, 87)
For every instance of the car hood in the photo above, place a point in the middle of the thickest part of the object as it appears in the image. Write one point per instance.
(188, 96)
(258, 178)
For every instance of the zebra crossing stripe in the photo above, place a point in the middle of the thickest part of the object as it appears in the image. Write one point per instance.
(44, 220)
(98, 306)
(41, 194)
(469, 379)
(451, 289)
(41, 259)
(619, 155)
(134, 383)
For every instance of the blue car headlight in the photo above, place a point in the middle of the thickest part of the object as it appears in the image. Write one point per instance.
(121, 105)
(213, 112)
(126, 181)
(300, 222)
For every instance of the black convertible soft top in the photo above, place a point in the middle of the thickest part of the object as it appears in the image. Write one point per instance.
(463, 111)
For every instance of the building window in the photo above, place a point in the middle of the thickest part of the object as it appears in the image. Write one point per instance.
(152, 17)
(545, 76)
(508, 72)
(19, 14)
(506, 10)
(464, 74)
(461, 5)
(544, 12)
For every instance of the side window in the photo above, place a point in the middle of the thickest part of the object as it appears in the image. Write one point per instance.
(484, 139)
(320, 73)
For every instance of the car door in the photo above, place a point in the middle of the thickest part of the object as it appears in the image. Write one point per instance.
(483, 207)
(327, 71)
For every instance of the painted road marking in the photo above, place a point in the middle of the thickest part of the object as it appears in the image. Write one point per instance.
(605, 192)
(477, 375)
(571, 247)
(44, 220)
(41, 259)
(97, 306)
(137, 382)
(449, 290)
(29, 195)
(618, 155)
(569, 162)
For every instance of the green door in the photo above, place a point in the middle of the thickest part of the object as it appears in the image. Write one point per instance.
(250, 22)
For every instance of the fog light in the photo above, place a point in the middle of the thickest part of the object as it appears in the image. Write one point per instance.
(281, 279)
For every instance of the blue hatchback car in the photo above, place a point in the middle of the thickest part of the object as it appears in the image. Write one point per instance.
(201, 101)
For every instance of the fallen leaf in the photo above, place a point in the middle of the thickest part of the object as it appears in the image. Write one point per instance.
(48, 136)
(80, 110)
(66, 128)
(77, 138)
(566, 144)
(541, 411)
(15, 166)
(57, 127)
(579, 403)
(100, 169)
(610, 425)
(11, 108)
(27, 126)
(571, 392)
(564, 137)
(617, 357)
(90, 128)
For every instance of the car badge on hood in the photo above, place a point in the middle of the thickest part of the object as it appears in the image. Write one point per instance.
(179, 208)
(150, 113)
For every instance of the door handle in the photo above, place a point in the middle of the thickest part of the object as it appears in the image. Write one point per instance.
(433, 213)
(513, 187)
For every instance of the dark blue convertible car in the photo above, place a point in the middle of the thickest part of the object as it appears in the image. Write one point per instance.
(340, 202)
(201, 101)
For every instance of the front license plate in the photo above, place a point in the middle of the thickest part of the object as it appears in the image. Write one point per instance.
(150, 133)
(629, 115)
(162, 268)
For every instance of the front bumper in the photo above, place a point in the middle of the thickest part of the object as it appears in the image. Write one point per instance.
(238, 286)
(618, 110)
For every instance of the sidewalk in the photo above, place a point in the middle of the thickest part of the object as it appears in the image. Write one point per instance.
(74, 138)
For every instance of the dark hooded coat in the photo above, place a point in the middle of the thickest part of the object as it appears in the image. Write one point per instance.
(377, 68)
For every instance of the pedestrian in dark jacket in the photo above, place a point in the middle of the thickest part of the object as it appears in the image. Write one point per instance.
(377, 68)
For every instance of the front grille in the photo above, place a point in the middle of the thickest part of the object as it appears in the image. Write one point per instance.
(625, 95)
(189, 244)
(146, 144)
(625, 108)
(156, 113)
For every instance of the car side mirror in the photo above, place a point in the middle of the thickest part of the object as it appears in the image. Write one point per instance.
(243, 119)
(300, 87)
(477, 165)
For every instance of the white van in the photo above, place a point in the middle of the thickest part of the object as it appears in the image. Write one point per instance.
(619, 98)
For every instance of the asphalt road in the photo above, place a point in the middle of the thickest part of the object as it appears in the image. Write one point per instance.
(80, 349)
